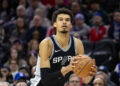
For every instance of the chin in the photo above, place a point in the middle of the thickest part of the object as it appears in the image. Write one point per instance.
(64, 31)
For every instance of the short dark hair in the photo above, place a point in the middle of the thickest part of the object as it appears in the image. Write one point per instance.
(62, 11)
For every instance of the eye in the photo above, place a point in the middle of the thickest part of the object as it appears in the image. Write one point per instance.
(60, 19)
(67, 19)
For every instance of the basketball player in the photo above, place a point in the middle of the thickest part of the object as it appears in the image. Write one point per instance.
(57, 52)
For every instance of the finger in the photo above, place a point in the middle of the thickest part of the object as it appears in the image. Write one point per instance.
(91, 73)
(94, 68)
(76, 58)
(74, 62)
(73, 66)
(80, 55)
(94, 61)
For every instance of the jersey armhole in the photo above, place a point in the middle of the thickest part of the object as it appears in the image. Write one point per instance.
(75, 45)
(52, 48)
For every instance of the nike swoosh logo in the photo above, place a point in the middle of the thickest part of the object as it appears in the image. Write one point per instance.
(57, 51)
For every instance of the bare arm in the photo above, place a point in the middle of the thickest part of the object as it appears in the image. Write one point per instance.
(45, 49)
(80, 48)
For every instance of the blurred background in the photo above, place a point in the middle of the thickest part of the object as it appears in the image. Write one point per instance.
(25, 23)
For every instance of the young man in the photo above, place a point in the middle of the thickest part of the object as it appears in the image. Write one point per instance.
(57, 52)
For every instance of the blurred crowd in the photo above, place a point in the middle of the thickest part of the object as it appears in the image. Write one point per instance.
(25, 23)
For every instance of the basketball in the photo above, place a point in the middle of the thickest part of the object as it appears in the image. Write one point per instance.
(83, 67)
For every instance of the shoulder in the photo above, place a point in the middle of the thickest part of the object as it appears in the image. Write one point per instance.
(45, 48)
(79, 46)
(46, 42)
(77, 41)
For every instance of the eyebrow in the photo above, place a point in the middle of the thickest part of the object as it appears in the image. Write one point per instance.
(65, 18)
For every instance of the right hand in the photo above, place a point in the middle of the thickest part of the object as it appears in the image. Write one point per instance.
(69, 68)
(74, 61)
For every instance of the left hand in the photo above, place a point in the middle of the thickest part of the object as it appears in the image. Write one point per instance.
(93, 71)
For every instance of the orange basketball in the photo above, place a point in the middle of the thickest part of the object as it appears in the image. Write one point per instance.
(83, 67)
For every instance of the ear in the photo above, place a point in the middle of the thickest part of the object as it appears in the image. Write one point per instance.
(54, 24)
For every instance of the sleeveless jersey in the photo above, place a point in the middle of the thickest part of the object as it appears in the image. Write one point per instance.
(61, 57)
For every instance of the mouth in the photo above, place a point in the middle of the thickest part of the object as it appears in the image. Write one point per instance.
(64, 26)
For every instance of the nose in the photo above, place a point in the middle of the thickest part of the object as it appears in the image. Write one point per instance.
(64, 22)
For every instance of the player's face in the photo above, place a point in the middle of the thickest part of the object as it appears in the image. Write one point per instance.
(63, 23)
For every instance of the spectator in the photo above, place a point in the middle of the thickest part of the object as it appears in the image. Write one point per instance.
(14, 55)
(32, 61)
(20, 12)
(5, 71)
(114, 77)
(4, 84)
(25, 70)
(45, 21)
(19, 45)
(11, 25)
(20, 31)
(24, 3)
(104, 76)
(35, 35)
(34, 4)
(98, 30)
(19, 77)
(99, 82)
(95, 7)
(21, 84)
(33, 47)
(5, 11)
(114, 32)
(14, 66)
(80, 29)
(37, 21)
(75, 7)
(75, 80)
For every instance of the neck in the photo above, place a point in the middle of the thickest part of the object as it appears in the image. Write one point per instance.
(63, 39)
